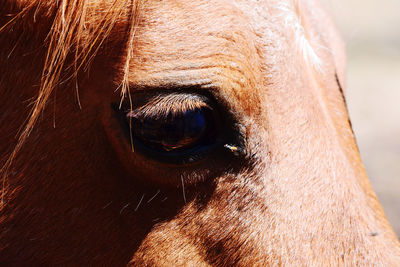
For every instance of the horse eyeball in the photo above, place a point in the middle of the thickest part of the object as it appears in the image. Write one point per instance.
(174, 132)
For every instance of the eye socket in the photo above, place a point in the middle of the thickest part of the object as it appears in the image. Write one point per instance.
(174, 134)
(179, 134)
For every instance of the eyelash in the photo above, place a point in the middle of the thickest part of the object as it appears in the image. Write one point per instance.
(161, 106)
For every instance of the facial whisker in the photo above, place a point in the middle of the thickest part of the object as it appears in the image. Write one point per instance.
(140, 202)
(158, 191)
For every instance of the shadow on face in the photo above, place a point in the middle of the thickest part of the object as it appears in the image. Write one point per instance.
(231, 145)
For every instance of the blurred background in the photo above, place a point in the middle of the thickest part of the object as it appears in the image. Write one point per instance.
(371, 30)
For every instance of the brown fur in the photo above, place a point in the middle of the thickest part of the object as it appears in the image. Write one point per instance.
(75, 194)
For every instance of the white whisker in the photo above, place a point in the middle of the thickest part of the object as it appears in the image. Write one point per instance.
(148, 201)
(183, 190)
(124, 207)
(108, 204)
(140, 202)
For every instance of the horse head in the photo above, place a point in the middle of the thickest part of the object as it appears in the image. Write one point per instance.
(180, 133)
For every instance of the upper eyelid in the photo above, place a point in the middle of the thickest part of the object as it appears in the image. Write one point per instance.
(176, 103)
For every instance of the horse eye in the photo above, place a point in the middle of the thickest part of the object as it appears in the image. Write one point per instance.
(175, 134)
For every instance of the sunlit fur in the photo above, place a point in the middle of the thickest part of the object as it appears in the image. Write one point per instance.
(75, 194)
(292, 14)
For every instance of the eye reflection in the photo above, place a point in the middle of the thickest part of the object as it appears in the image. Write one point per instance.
(174, 132)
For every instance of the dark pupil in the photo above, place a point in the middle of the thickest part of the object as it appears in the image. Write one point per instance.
(175, 132)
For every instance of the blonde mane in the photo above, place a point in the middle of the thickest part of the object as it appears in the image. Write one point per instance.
(72, 32)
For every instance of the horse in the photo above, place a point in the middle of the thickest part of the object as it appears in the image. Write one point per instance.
(168, 133)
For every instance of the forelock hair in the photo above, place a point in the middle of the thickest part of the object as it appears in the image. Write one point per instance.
(78, 27)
